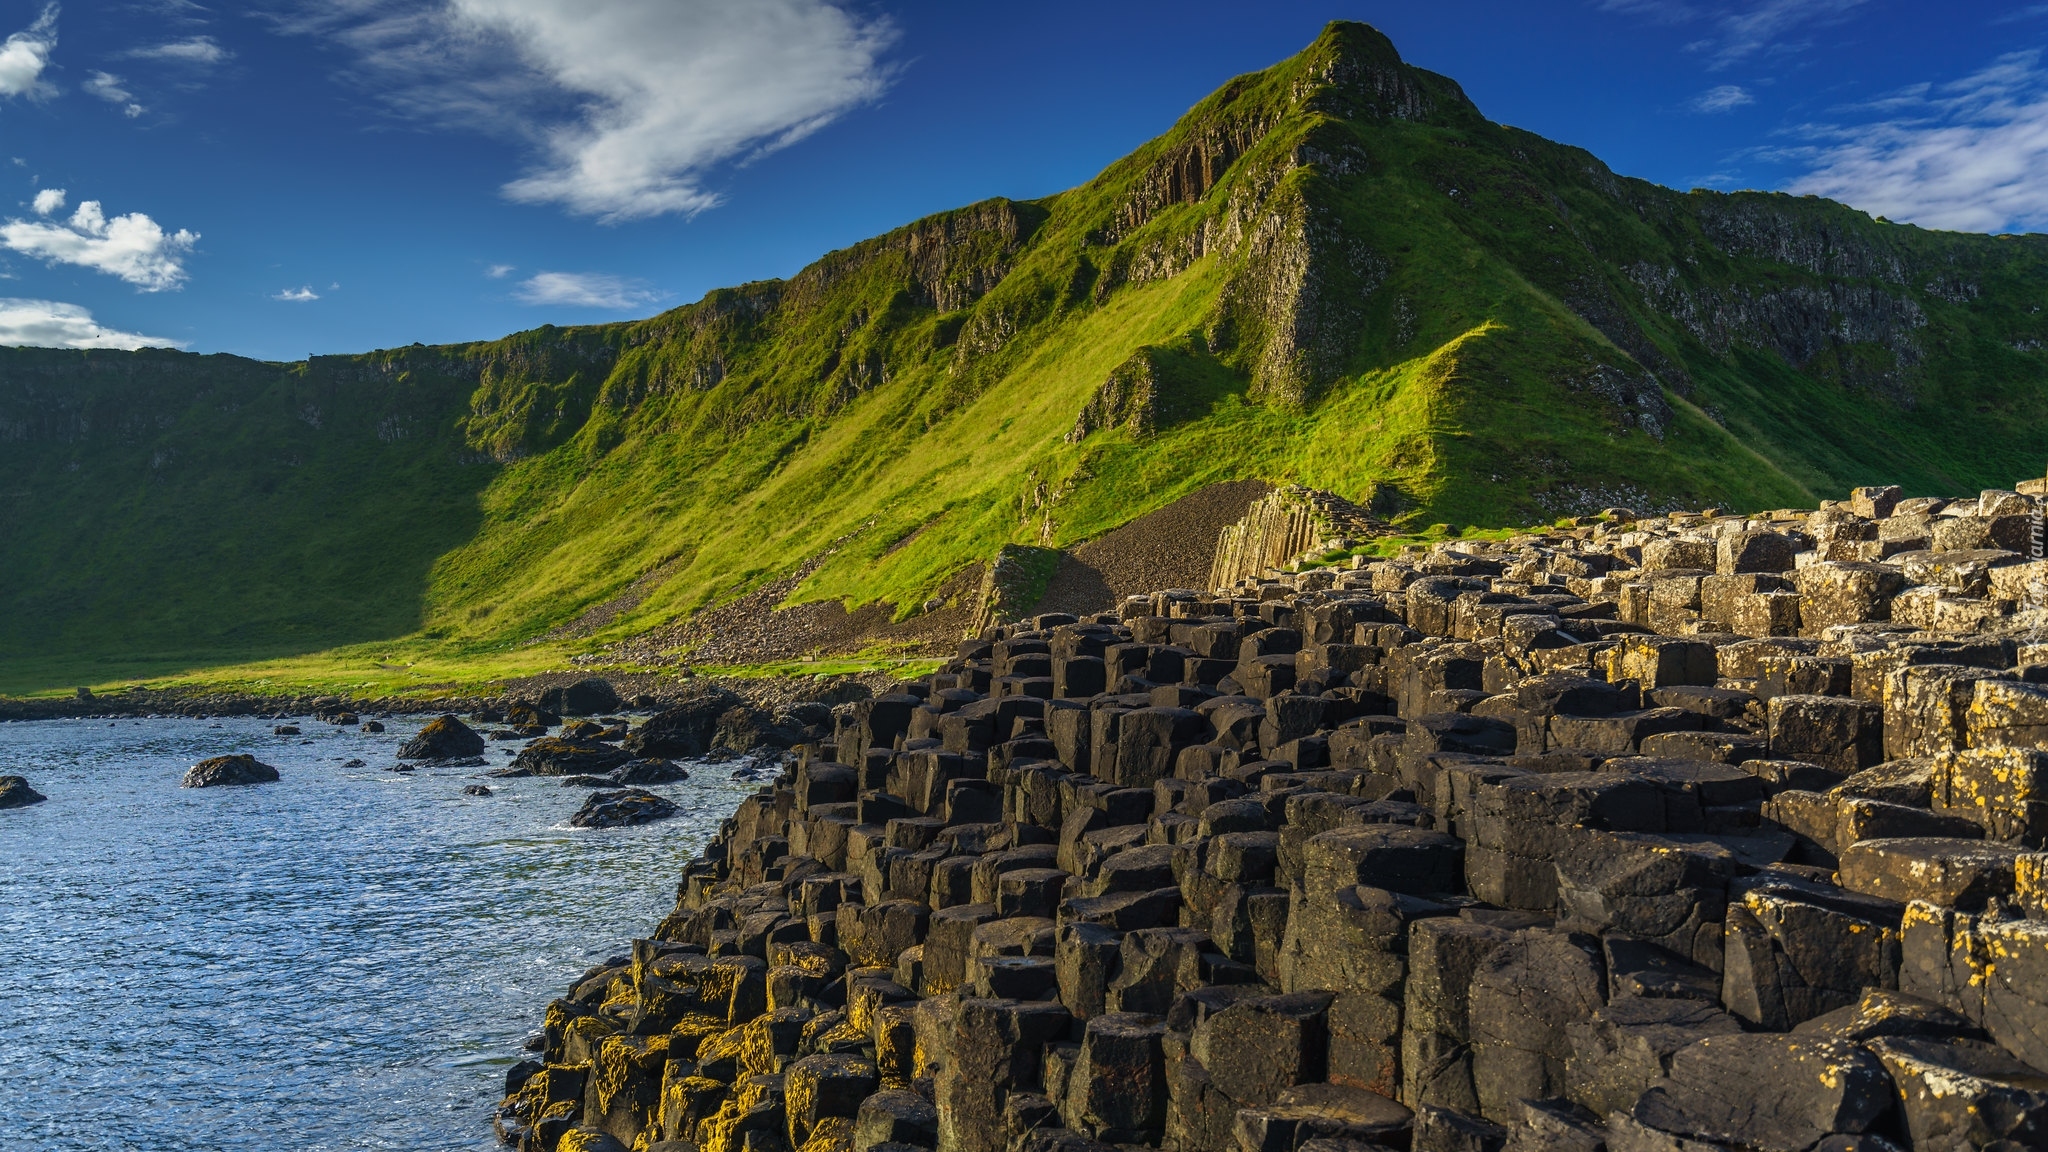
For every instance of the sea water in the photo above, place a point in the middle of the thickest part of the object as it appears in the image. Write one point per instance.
(347, 958)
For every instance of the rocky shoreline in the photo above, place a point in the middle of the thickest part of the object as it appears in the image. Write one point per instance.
(597, 694)
(1681, 833)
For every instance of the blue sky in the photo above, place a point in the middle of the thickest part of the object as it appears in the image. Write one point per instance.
(285, 177)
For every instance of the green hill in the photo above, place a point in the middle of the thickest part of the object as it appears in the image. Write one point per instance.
(1336, 271)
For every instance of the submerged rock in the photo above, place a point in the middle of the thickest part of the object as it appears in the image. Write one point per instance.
(649, 771)
(623, 807)
(15, 793)
(554, 756)
(445, 739)
(477, 790)
(229, 770)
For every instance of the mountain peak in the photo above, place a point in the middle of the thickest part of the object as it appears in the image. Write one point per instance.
(1354, 71)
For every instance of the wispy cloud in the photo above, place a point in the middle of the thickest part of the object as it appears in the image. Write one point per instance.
(585, 290)
(132, 247)
(107, 86)
(1722, 99)
(298, 295)
(49, 324)
(202, 50)
(630, 106)
(24, 55)
(500, 271)
(1773, 26)
(1736, 32)
(1971, 155)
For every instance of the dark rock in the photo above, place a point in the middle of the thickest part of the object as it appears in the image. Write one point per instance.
(1258, 1048)
(15, 792)
(1965, 1093)
(895, 1117)
(817, 1087)
(1323, 1112)
(226, 770)
(683, 732)
(477, 790)
(591, 696)
(447, 738)
(1445, 1130)
(651, 771)
(1626, 1048)
(285, 730)
(620, 808)
(1884, 1013)
(1523, 997)
(1772, 1093)
(554, 756)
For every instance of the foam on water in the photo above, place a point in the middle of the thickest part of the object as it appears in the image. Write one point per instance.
(345, 959)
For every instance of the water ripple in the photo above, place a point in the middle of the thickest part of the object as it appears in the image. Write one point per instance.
(345, 959)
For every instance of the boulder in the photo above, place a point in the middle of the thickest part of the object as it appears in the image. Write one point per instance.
(650, 771)
(591, 696)
(623, 807)
(554, 756)
(683, 732)
(225, 770)
(447, 738)
(15, 792)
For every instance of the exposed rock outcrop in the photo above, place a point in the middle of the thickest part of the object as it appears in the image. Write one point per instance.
(446, 738)
(229, 770)
(15, 793)
(1675, 832)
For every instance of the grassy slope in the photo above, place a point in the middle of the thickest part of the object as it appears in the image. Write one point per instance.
(902, 408)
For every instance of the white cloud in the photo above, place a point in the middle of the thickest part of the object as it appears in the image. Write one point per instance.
(107, 86)
(48, 200)
(302, 293)
(25, 54)
(1722, 99)
(631, 105)
(132, 247)
(1971, 155)
(49, 324)
(202, 50)
(500, 271)
(1741, 31)
(585, 290)
(1771, 25)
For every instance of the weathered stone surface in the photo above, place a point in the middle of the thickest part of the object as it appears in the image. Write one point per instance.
(1255, 1049)
(1523, 996)
(1956, 873)
(1625, 1048)
(1965, 1094)
(15, 793)
(621, 808)
(1773, 1093)
(446, 738)
(229, 770)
